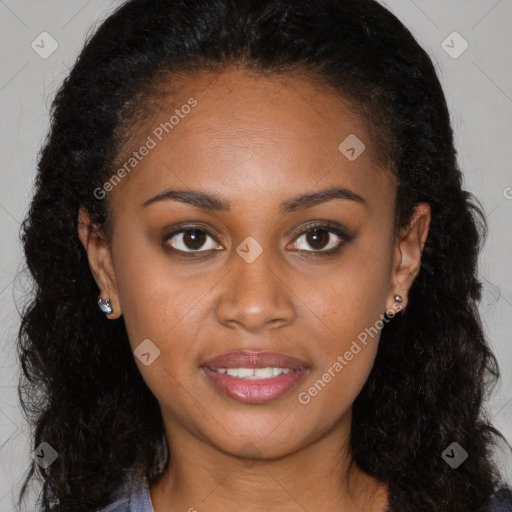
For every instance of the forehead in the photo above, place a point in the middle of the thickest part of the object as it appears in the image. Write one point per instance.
(251, 136)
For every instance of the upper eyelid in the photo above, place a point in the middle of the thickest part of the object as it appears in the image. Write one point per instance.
(339, 231)
(336, 230)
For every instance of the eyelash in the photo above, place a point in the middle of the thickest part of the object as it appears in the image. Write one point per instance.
(329, 227)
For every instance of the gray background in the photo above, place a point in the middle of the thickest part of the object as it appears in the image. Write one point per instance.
(478, 86)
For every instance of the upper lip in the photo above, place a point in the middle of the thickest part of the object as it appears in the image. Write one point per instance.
(248, 359)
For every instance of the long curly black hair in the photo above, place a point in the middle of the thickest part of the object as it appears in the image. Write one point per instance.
(81, 390)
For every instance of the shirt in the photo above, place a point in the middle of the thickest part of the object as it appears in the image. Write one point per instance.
(131, 499)
(138, 499)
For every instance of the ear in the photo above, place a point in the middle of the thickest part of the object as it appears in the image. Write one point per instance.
(100, 260)
(409, 245)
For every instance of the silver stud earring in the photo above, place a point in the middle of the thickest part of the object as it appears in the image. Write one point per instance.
(398, 298)
(105, 306)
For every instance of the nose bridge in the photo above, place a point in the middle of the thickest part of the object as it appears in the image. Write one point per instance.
(257, 294)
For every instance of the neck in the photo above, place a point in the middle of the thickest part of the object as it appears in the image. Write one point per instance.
(202, 477)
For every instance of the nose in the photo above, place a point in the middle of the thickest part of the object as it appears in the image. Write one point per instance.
(256, 296)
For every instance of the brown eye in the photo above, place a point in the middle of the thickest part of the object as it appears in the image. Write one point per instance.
(322, 239)
(190, 240)
(317, 238)
(193, 238)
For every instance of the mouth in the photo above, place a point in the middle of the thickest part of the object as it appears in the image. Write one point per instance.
(254, 377)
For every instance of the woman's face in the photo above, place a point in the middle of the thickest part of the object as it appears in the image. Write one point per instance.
(258, 154)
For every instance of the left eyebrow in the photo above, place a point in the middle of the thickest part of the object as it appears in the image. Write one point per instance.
(211, 202)
(308, 200)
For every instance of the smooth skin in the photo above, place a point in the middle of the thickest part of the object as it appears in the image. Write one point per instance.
(255, 142)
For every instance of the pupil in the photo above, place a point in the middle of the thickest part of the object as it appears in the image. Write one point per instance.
(313, 238)
(196, 236)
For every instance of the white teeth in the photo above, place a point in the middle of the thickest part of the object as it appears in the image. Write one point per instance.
(254, 373)
(265, 373)
(241, 372)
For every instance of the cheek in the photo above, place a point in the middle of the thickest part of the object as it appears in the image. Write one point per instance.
(164, 311)
(332, 392)
(154, 294)
(162, 318)
(345, 351)
(350, 299)
(351, 307)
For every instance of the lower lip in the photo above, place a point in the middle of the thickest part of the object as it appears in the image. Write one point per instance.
(254, 391)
